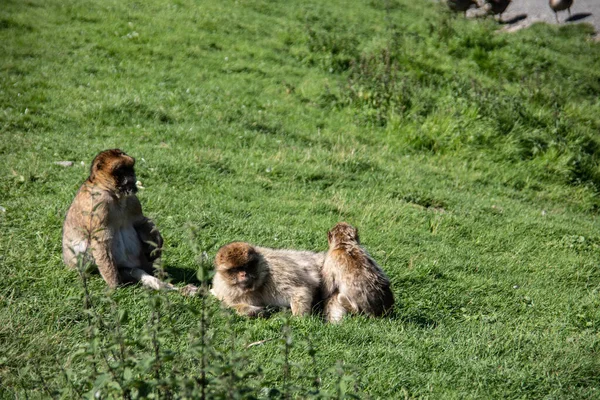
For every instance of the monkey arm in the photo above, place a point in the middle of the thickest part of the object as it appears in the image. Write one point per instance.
(147, 232)
(348, 304)
(248, 310)
(334, 309)
(103, 258)
(88, 221)
(147, 280)
(301, 301)
(240, 304)
(150, 237)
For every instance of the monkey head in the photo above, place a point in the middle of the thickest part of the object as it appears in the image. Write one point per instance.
(239, 265)
(342, 233)
(113, 170)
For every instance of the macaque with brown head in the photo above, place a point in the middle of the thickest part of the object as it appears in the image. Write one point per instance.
(106, 226)
(352, 280)
(250, 278)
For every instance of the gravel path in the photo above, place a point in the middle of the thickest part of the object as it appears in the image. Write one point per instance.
(582, 11)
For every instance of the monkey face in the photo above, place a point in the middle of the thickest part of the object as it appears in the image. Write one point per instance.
(113, 169)
(244, 277)
(125, 180)
(343, 232)
(239, 265)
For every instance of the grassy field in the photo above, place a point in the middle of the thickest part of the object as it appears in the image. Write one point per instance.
(468, 159)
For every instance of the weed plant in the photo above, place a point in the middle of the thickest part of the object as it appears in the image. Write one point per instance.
(212, 364)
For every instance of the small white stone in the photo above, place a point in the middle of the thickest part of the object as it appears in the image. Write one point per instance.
(64, 163)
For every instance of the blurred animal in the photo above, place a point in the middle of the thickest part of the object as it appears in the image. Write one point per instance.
(560, 5)
(105, 225)
(250, 278)
(496, 7)
(352, 280)
(461, 5)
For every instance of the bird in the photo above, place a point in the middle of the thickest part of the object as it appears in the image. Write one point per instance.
(561, 5)
(460, 5)
(496, 6)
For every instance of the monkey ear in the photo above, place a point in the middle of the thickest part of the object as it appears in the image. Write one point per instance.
(94, 168)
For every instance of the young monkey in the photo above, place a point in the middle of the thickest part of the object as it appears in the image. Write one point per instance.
(352, 280)
(249, 278)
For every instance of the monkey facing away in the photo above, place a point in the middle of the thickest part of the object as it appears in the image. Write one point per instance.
(249, 278)
(105, 224)
(352, 280)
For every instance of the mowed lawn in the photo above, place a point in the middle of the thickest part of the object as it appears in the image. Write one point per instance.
(467, 158)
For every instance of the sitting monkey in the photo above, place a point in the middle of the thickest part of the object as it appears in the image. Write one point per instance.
(352, 280)
(105, 224)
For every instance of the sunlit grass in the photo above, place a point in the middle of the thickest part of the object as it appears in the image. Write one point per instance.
(468, 159)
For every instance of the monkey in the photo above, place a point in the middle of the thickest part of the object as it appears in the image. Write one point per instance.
(106, 226)
(250, 278)
(352, 280)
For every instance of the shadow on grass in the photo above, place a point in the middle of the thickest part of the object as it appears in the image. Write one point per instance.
(419, 320)
(182, 275)
(176, 275)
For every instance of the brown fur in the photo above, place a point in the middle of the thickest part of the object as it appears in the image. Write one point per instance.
(106, 225)
(352, 280)
(235, 254)
(249, 278)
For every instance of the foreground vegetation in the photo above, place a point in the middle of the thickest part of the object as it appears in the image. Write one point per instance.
(468, 159)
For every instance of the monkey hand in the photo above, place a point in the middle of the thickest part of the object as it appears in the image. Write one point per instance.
(189, 290)
(251, 311)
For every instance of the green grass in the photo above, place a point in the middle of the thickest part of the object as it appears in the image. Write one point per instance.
(468, 159)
